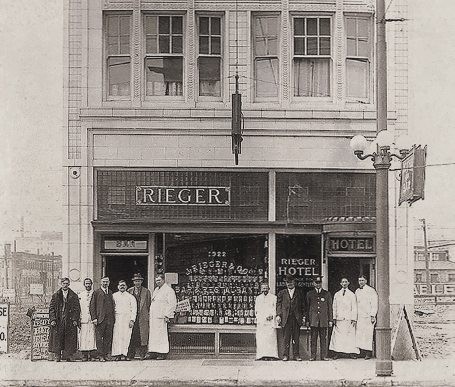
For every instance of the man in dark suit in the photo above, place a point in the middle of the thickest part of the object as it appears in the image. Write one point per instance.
(289, 311)
(319, 317)
(103, 316)
(140, 334)
(64, 317)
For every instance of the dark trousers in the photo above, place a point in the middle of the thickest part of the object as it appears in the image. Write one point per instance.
(322, 333)
(135, 342)
(103, 334)
(291, 331)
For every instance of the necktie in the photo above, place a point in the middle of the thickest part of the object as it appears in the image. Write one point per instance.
(344, 292)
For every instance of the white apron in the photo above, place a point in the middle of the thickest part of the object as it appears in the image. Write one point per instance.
(125, 311)
(343, 334)
(367, 307)
(163, 305)
(266, 341)
(86, 333)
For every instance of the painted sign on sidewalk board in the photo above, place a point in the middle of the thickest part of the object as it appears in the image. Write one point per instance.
(40, 335)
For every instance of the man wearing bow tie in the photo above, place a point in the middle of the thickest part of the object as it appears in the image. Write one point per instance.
(344, 322)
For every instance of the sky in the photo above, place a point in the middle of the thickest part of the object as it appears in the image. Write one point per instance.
(31, 100)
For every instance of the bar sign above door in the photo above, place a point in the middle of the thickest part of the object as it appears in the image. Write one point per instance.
(125, 245)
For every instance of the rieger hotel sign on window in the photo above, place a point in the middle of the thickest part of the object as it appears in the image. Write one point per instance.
(183, 196)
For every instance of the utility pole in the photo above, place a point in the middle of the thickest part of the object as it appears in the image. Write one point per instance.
(427, 256)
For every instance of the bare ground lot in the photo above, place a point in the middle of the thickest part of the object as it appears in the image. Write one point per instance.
(435, 333)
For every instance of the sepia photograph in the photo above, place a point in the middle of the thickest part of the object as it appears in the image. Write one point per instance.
(227, 193)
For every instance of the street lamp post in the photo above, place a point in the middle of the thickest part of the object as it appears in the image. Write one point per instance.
(380, 153)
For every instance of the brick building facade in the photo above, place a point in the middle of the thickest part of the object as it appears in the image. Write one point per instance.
(150, 181)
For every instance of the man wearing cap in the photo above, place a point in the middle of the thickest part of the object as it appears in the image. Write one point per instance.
(319, 317)
(289, 311)
(140, 335)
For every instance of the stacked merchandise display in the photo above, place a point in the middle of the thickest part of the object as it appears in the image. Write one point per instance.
(220, 292)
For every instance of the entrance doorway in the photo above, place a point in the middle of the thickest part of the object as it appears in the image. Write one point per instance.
(123, 267)
(351, 268)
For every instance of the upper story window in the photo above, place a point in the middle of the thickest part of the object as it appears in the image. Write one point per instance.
(164, 55)
(312, 56)
(434, 278)
(358, 57)
(418, 278)
(118, 56)
(210, 55)
(266, 59)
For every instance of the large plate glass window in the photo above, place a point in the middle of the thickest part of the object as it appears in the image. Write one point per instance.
(210, 54)
(118, 56)
(266, 58)
(164, 40)
(219, 275)
(312, 59)
(358, 58)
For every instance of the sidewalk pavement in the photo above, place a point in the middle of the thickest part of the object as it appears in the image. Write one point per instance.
(223, 372)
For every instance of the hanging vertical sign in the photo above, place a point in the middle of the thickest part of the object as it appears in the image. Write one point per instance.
(412, 180)
(236, 122)
(4, 324)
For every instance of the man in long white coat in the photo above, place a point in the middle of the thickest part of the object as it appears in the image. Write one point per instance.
(86, 336)
(344, 322)
(265, 308)
(125, 307)
(162, 310)
(367, 308)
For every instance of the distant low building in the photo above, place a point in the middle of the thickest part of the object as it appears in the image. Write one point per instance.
(441, 271)
(19, 270)
(45, 243)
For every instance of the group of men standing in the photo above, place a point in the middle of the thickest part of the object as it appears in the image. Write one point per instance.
(123, 324)
(352, 316)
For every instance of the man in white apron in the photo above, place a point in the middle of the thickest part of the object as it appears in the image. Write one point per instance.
(344, 321)
(265, 308)
(162, 310)
(125, 314)
(367, 308)
(87, 342)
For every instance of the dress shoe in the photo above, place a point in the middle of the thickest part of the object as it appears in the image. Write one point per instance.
(325, 359)
(312, 358)
(102, 359)
(285, 358)
(298, 358)
(367, 357)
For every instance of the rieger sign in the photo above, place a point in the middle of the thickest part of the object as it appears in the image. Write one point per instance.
(183, 196)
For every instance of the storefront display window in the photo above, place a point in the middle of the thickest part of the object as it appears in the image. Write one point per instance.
(220, 274)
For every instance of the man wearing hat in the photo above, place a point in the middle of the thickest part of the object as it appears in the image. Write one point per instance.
(319, 317)
(289, 311)
(140, 334)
